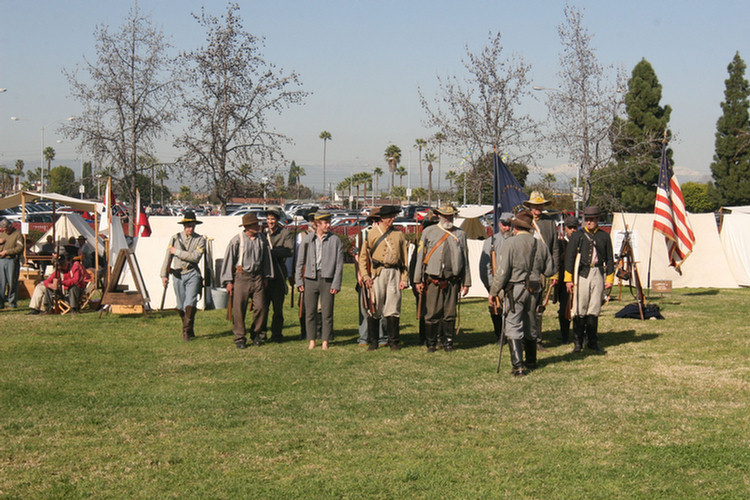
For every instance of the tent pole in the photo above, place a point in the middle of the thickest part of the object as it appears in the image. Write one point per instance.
(650, 251)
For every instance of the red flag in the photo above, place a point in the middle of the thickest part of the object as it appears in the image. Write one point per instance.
(141, 219)
(670, 216)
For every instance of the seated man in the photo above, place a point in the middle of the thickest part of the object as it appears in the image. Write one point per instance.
(69, 278)
(85, 252)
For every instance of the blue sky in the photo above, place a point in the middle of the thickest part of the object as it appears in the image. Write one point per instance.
(363, 62)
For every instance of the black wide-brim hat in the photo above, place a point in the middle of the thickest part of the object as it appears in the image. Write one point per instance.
(188, 217)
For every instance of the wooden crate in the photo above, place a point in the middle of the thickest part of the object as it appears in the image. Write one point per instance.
(126, 309)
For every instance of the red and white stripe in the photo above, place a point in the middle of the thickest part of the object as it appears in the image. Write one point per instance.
(670, 219)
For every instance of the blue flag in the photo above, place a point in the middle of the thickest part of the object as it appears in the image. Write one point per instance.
(507, 193)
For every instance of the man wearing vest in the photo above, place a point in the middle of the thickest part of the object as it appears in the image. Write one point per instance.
(383, 267)
(245, 274)
(442, 273)
(280, 243)
(318, 275)
(184, 252)
(522, 261)
(545, 230)
(589, 270)
(488, 267)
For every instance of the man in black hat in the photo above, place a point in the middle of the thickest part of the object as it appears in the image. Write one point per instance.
(442, 274)
(184, 252)
(570, 226)
(280, 244)
(245, 273)
(589, 270)
(522, 262)
(383, 268)
(488, 266)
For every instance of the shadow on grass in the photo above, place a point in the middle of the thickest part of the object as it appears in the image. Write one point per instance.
(702, 292)
(610, 339)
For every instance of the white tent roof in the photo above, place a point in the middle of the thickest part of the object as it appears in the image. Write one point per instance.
(735, 238)
(738, 210)
(70, 225)
(706, 266)
(27, 196)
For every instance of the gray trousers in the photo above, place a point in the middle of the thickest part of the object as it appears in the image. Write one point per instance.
(518, 319)
(9, 268)
(318, 289)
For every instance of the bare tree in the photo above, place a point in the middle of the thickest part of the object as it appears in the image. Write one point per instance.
(231, 91)
(126, 96)
(583, 107)
(480, 112)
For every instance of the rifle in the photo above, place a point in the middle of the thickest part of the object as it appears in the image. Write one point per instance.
(169, 269)
(301, 304)
(628, 262)
(367, 301)
(573, 299)
(502, 341)
(294, 265)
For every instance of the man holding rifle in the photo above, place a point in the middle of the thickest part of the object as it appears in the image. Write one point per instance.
(488, 268)
(589, 270)
(522, 261)
(383, 269)
(184, 252)
(563, 312)
(245, 273)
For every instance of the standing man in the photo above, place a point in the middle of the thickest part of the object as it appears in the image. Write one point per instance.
(570, 227)
(372, 218)
(442, 273)
(245, 274)
(184, 252)
(11, 249)
(545, 230)
(488, 268)
(522, 261)
(318, 275)
(280, 243)
(383, 267)
(589, 270)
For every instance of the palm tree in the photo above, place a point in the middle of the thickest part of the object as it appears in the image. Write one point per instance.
(439, 137)
(378, 172)
(419, 144)
(429, 158)
(295, 172)
(161, 176)
(401, 172)
(326, 136)
(365, 178)
(345, 184)
(19, 172)
(393, 157)
(49, 155)
(450, 175)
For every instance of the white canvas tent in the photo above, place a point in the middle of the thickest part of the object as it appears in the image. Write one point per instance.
(70, 225)
(705, 267)
(735, 238)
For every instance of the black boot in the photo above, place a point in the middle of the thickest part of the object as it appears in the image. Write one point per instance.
(449, 330)
(578, 327)
(564, 330)
(373, 331)
(497, 326)
(516, 357)
(592, 328)
(185, 318)
(529, 347)
(392, 330)
(190, 314)
(431, 334)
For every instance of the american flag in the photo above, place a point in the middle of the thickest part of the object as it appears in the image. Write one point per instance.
(670, 216)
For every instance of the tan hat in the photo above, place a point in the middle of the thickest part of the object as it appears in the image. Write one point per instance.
(249, 220)
(523, 219)
(536, 198)
(374, 214)
(323, 215)
(445, 210)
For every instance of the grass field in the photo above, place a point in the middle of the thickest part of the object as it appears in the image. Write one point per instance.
(121, 407)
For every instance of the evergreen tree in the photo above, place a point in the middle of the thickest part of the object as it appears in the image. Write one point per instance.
(731, 165)
(630, 182)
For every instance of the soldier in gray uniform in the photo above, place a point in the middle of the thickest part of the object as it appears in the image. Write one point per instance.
(487, 268)
(441, 273)
(383, 268)
(281, 245)
(320, 266)
(245, 274)
(522, 262)
(184, 252)
(545, 230)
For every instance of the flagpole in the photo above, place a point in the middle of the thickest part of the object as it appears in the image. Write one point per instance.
(650, 252)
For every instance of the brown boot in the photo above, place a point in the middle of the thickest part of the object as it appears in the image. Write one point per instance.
(191, 310)
(186, 324)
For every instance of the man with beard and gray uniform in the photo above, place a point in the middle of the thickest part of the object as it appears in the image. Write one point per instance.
(441, 274)
(520, 266)
(488, 267)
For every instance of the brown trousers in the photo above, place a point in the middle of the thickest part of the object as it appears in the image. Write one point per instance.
(248, 288)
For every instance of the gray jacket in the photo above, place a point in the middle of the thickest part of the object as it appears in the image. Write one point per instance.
(331, 261)
(514, 263)
(450, 260)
